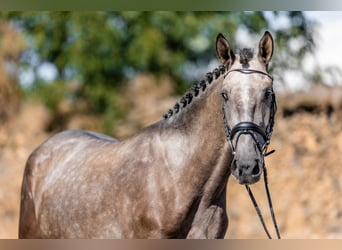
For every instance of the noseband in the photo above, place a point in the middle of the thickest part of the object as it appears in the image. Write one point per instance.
(251, 128)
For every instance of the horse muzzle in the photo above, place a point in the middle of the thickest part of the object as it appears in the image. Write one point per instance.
(246, 171)
(247, 147)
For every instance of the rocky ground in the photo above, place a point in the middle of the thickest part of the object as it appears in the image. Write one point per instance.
(305, 173)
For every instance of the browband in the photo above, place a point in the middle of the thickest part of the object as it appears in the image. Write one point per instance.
(249, 71)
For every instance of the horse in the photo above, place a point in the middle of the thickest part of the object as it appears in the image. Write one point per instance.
(168, 180)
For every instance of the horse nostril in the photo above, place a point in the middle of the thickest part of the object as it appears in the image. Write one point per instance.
(256, 169)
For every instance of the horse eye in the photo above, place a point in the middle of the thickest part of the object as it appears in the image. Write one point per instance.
(225, 95)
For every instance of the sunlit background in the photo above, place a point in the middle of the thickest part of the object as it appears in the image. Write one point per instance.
(116, 72)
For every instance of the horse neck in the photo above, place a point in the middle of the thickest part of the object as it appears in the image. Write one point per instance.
(205, 117)
(198, 133)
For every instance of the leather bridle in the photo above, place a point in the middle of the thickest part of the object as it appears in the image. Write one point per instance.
(251, 128)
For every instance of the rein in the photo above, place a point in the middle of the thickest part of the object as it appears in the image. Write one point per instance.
(269, 203)
(249, 128)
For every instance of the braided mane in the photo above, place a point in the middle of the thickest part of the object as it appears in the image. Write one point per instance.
(195, 90)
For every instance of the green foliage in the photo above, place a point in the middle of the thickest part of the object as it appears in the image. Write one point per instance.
(102, 50)
(50, 94)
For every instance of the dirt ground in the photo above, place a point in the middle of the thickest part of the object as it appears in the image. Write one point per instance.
(305, 173)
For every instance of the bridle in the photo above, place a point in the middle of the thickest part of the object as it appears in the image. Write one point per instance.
(252, 129)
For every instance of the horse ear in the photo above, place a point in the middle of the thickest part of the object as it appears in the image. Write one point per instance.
(266, 48)
(224, 51)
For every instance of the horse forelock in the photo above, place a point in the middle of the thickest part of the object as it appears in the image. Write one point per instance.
(246, 54)
(195, 90)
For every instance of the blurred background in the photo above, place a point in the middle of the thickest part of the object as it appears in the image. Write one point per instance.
(116, 72)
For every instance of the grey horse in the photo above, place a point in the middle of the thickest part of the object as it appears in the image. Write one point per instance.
(168, 180)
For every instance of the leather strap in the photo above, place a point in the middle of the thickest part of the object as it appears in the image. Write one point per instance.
(249, 71)
(243, 127)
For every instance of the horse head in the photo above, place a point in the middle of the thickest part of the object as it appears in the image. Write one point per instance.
(249, 106)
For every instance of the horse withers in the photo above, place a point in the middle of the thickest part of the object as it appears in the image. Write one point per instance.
(169, 180)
